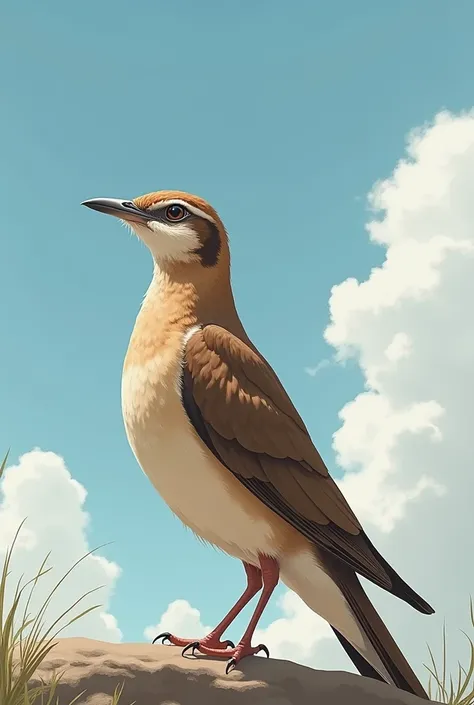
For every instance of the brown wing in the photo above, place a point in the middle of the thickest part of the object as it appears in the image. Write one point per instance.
(241, 411)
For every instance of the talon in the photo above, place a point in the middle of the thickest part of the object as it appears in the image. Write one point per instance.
(231, 663)
(262, 647)
(230, 644)
(193, 646)
(163, 636)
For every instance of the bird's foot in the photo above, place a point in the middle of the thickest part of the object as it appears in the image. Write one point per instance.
(212, 641)
(236, 653)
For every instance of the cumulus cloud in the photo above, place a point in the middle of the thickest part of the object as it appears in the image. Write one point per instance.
(181, 619)
(295, 635)
(409, 327)
(41, 489)
(405, 442)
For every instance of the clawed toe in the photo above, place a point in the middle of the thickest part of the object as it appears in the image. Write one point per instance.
(241, 652)
(164, 636)
(208, 647)
(231, 664)
(193, 646)
(236, 653)
(210, 642)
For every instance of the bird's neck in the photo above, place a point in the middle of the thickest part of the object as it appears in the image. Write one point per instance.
(173, 304)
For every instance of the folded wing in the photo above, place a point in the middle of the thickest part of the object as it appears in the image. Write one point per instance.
(241, 411)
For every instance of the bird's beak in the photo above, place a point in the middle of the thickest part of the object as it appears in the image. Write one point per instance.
(126, 210)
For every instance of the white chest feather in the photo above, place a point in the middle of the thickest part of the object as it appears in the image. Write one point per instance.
(185, 473)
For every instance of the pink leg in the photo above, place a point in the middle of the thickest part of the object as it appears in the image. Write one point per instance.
(213, 640)
(270, 574)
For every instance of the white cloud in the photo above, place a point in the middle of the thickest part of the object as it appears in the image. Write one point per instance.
(372, 431)
(405, 442)
(409, 327)
(41, 489)
(399, 347)
(295, 635)
(313, 371)
(181, 619)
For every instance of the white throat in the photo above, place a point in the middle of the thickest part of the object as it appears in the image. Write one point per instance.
(168, 243)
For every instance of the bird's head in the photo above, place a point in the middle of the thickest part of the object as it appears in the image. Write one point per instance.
(179, 229)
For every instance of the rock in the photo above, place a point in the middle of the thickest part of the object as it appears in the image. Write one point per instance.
(159, 675)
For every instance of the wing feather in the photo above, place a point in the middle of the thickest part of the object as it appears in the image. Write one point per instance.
(241, 411)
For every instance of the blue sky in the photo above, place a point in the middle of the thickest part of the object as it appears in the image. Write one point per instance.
(282, 116)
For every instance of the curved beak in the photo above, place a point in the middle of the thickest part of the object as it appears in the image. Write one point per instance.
(126, 210)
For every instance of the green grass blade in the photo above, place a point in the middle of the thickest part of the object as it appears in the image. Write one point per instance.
(25, 640)
(450, 690)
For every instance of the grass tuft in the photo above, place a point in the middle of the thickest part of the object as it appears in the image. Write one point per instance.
(441, 685)
(25, 640)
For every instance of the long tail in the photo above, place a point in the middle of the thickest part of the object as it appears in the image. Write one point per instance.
(377, 634)
(399, 587)
(332, 590)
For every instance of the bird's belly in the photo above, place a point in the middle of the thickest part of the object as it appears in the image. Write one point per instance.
(189, 480)
(196, 487)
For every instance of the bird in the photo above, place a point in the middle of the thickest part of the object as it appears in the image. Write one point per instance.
(213, 428)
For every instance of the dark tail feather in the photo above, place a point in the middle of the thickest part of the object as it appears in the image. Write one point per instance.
(399, 587)
(362, 665)
(380, 638)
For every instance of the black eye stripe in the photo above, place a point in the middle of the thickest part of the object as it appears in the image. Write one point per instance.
(211, 247)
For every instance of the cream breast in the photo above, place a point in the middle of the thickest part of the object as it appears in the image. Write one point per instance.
(196, 487)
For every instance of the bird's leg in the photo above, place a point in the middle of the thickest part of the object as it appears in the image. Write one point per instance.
(254, 584)
(213, 639)
(270, 571)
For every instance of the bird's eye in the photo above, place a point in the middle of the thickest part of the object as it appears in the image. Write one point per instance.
(176, 212)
